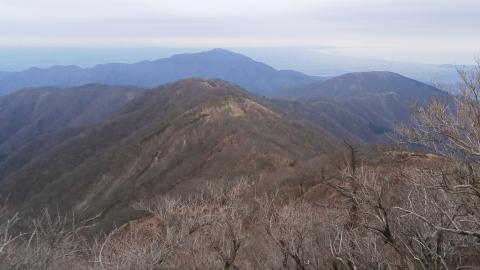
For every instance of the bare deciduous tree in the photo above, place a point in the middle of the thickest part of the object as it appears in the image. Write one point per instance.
(423, 216)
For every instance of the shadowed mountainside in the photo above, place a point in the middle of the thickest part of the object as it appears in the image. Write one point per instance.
(361, 84)
(31, 113)
(361, 106)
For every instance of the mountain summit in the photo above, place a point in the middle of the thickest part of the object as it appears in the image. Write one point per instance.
(364, 83)
(362, 105)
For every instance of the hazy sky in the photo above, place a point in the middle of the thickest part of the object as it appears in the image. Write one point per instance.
(432, 31)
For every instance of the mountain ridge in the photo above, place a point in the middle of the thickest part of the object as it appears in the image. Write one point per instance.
(361, 83)
(172, 139)
(214, 64)
(363, 106)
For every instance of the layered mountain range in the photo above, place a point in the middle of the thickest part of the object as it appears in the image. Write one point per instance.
(218, 63)
(98, 148)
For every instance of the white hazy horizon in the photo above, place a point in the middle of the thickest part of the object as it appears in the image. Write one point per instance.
(428, 31)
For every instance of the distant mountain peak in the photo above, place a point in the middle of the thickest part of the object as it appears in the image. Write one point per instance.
(357, 84)
(216, 52)
(216, 63)
(380, 74)
(221, 50)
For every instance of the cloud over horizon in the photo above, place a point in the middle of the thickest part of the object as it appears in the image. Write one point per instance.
(440, 31)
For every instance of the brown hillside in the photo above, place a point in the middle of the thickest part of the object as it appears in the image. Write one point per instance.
(169, 140)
